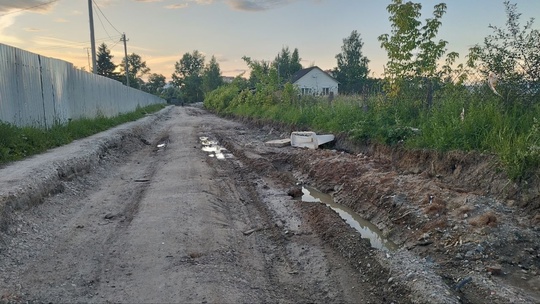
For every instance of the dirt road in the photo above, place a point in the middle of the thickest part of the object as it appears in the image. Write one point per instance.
(166, 223)
(162, 215)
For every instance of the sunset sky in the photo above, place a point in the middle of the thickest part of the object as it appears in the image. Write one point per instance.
(161, 31)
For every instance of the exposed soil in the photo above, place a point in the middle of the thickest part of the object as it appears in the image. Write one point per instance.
(154, 217)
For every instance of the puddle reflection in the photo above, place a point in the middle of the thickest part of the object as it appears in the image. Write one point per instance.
(214, 149)
(367, 229)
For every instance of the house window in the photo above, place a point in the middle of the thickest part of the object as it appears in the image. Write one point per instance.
(306, 91)
(326, 91)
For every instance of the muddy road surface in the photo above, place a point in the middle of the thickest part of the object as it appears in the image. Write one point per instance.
(187, 207)
(162, 220)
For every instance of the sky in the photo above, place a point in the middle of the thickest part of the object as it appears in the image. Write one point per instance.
(161, 31)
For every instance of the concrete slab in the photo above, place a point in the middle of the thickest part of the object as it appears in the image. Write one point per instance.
(279, 143)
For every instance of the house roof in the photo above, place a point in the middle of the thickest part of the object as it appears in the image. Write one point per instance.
(303, 72)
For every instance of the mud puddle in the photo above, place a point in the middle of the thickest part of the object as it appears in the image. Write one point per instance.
(367, 229)
(214, 149)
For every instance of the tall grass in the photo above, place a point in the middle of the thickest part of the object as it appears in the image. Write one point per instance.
(458, 120)
(17, 143)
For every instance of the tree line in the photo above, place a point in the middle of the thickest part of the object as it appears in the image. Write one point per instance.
(418, 62)
(191, 79)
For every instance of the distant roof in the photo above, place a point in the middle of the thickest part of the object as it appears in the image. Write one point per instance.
(303, 72)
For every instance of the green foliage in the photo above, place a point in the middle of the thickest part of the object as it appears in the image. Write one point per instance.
(155, 84)
(262, 73)
(170, 93)
(188, 76)
(137, 69)
(467, 116)
(211, 78)
(412, 51)
(219, 99)
(18, 143)
(513, 54)
(463, 120)
(352, 67)
(104, 65)
(287, 64)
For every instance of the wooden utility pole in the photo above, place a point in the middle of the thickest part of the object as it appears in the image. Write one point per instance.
(127, 63)
(92, 39)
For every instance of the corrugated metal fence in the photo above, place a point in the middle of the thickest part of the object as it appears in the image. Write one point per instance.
(41, 91)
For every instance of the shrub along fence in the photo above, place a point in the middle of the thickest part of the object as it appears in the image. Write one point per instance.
(39, 91)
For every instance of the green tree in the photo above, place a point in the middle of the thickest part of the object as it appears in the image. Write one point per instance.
(188, 76)
(262, 72)
(137, 69)
(512, 53)
(286, 64)
(211, 76)
(155, 84)
(411, 48)
(295, 65)
(171, 92)
(352, 67)
(105, 66)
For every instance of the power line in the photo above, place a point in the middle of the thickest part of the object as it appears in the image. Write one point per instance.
(106, 17)
(29, 8)
(103, 26)
(75, 44)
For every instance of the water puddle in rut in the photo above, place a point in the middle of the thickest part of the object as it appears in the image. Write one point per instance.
(214, 149)
(367, 229)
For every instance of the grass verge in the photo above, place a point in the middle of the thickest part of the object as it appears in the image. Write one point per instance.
(17, 143)
(459, 119)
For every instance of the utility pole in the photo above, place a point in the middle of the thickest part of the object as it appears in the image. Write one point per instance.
(92, 39)
(125, 51)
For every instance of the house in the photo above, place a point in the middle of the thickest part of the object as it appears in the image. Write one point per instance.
(314, 81)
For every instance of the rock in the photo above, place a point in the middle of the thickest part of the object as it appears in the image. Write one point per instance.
(390, 280)
(424, 243)
(479, 248)
(494, 269)
(295, 192)
(462, 283)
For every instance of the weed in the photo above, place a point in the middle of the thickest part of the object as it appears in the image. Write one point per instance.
(460, 119)
(17, 143)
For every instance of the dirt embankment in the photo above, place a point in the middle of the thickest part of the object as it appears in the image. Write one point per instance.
(456, 211)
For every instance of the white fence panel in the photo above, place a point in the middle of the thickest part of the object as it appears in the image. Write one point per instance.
(41, 91)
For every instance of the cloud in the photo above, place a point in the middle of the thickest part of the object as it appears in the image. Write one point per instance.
(61, 20)
(234, 71)
(32, 29)
(11, 6)
(148, 1)
(52, 43)
(203, 2)
(177, 6)
(5, 22)
(257, 5)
